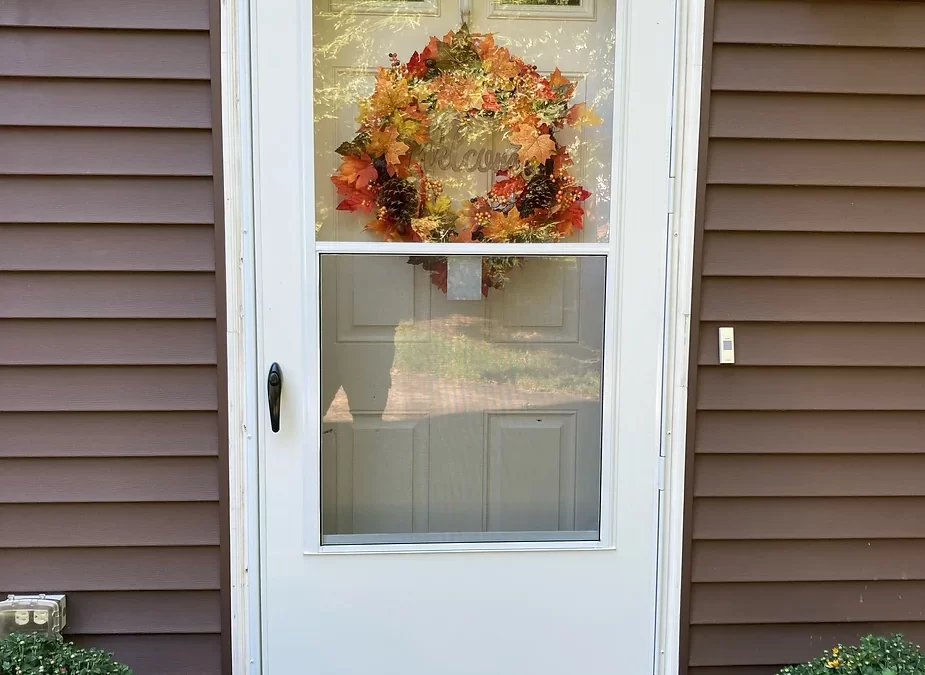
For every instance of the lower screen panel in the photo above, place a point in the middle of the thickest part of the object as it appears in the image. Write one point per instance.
(454, 412)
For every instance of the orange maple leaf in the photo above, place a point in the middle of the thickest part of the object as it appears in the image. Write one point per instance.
(557, 79)
(580, 114)
(357, 170)
(467, 220)
(503, 225)
(486, 45)
(500, 63)
(533, 145)
(385, 143)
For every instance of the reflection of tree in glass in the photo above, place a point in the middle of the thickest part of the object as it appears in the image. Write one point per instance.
(459, 350)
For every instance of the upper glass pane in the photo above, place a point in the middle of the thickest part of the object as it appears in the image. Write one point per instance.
(428, 129)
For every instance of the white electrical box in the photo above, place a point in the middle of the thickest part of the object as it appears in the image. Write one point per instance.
(727, 345)
(46, 614)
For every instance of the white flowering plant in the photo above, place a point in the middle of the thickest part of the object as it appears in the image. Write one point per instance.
(36, 654)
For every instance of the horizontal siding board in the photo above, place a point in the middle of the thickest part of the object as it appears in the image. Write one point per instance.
(76, 295)
(809, 475)
(818, 344)
(40, 52)
(819, 300)
(801, 432)
(112, 569)
(766, 561)
(105, 152)
(161, 654)
(112, 248)
(808, 602)
(759, 518)
(91, 525)
(754, 646)
(104, 103)
(751, 388)
(163, 14)
(733, 670)
(817, 116)
(42, 199)
(836, 163)
(109, 434)
(814, 209)
(89, 480)
(812, 254)
(107, 341)
(835, 70)
(66, 388)
(855, 23)
(142, 612)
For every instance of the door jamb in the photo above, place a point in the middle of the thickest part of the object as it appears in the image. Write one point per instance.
(241, 314)
(685, 156)
(241, 338)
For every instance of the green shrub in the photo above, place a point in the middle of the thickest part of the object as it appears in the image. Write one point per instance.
(873, 656)
(40, 655)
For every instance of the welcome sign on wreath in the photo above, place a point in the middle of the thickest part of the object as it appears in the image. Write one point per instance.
(432, 112)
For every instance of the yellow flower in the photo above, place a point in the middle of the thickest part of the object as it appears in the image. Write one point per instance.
(832, 664)
(835, 651)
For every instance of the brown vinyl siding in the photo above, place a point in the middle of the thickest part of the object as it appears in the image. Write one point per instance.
(806, 461)
(112, 472)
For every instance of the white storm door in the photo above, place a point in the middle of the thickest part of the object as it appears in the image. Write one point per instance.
(460, 486)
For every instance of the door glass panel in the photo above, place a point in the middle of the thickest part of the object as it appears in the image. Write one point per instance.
(498, 131)
(460, 420)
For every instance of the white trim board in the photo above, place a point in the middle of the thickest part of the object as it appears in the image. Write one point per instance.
(243, 378)
(241, 338)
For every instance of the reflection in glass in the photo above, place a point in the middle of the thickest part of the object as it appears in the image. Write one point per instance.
(460, 420)
(514, 121)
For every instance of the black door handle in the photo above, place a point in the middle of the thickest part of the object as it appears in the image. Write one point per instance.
(274, 394)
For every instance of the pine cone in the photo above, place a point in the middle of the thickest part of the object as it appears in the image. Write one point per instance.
(400, 200)
(539, 194)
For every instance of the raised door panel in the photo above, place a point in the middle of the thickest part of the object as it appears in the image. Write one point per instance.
(377, 474)
(531, 471)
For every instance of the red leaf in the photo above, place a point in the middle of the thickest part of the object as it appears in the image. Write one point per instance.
(431, 50)
(571, 219)
(357, 201)
(438, 276)
(416, 66)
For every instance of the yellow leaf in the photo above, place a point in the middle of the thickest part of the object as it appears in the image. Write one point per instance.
(390, 95)
(581, 115)
(385, 143)
(533, 145)
(441, 205)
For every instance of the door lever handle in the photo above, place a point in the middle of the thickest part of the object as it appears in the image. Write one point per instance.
(274, 394)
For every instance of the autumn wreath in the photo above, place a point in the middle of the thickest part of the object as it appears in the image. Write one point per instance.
(464, 87)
